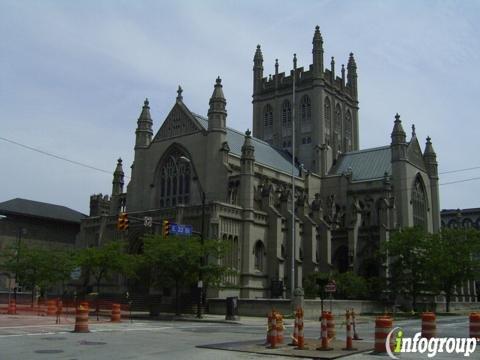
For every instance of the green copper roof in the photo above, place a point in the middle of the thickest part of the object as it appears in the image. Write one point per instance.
(265, 153)
(365, 164)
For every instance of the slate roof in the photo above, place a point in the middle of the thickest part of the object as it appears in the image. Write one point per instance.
(365, 164)
(40, 209)
(265, 153)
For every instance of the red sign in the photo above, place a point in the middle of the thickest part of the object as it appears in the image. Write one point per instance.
(331, 287)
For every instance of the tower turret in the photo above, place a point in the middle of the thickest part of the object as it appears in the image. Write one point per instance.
(117, 188)
(399, 137)
(317, 53)
(430, 158)
(217, 113)
(352, 76)
(257, 70)
(144, 127)
(247, 173)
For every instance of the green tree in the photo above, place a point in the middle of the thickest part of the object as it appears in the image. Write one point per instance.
(453, 258)
(176, 261)
(408, 269)
(351, 286)
(105, 261)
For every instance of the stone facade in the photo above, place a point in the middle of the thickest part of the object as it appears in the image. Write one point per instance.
(346, 200)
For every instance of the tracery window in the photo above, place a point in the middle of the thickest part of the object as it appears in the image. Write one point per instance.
(419, 204)
(175, 176)
(328, 120)
(338, 126)
(268, 116)
(306, 114)
(286, 114)
(348, 131)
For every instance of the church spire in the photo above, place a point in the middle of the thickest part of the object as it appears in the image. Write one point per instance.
(352, 76)
(179, 94)
(257, 70)
(118, 176)
(144, 127)
(217, 113)
(398, 134)
(317, 53)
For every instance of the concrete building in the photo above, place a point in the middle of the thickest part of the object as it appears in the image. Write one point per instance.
(347, 200)
(38, 224)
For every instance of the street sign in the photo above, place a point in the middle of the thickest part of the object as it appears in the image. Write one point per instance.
(147, 221)
(180, 229)
(76, 273)
(331, 287)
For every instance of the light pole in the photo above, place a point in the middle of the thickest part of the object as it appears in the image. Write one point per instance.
(202, 242)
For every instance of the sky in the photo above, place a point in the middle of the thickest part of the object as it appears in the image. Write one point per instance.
(74, 75)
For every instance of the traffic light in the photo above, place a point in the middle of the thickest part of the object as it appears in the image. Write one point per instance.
(165, 228)
(122, 222)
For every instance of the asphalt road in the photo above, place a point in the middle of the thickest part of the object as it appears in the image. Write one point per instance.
(32, 337)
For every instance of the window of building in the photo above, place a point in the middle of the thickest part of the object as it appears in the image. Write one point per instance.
(419, 203)
(338, 126)
(286, 114)
(268, 116)
(328, 120)
(348, 131)
(305, 114)
(174, 181)
(259, 253)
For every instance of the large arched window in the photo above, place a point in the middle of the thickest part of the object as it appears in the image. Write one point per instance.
(338, 126)
(175, 176)
(231, 258)
(419, 203)
(286, 114)
(259, 254)
(348, 131)
(327, 110)
(306, 114)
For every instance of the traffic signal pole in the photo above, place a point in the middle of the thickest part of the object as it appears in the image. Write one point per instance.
(202, 259)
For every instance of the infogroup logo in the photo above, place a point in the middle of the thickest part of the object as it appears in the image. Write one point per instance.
(432, 346)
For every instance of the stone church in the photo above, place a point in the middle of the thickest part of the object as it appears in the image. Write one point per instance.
(346, 200)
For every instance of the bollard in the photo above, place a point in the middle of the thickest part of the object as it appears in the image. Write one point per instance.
(116, 315)
(280, 328)
(324, 334)
(355, 334)
(300, 335)
(474, 325)
(295, 330)
(349, 338)
(81, 320)
(51, 308)
(330, 325)
(429, 326)
(12, 308)
(383, 325)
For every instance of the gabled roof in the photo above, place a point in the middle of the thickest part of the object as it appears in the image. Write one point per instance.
(367, 164)
(40, 209)
(265, 153)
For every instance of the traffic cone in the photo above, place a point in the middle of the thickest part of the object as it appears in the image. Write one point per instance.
(349, 340)
(300, 338)
(355, 334)
(273, 337)
(295, 330)
(324, 334)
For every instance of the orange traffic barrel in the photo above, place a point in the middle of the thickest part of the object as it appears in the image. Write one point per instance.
(12, 307)
(295, 330)
(116, 313)
(300, 334)
(429, 325)
(81, 320)
(279, 323)
(383, 325)
(330, 325)
(475, 325)
(324, 333)
(51, 308)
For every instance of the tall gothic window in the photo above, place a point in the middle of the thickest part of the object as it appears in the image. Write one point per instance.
(348, 131)
(286, 114)
(231, 258)
(419, 203)
(268, 123)
(259, 254)
(328, 120)
(175, 178)
(338, 126)
(306, 114)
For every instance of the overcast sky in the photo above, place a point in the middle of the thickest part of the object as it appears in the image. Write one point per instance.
(74, 74)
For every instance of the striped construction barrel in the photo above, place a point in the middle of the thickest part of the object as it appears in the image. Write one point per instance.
(116, 313)
(12, 307)
(474, 325)
(51, 308)
(429, 325)
(330, 325)
(383, 325)
(81, 320)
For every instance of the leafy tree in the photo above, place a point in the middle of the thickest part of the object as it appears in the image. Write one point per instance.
(408, 269)
(104, 261)
(176, 261)
(452, 260)
(351, 286)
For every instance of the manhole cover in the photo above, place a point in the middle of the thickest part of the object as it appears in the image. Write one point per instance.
(92, 343)
(49, 351)
(53, 338)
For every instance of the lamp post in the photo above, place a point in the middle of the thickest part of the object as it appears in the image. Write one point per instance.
(202, 242)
